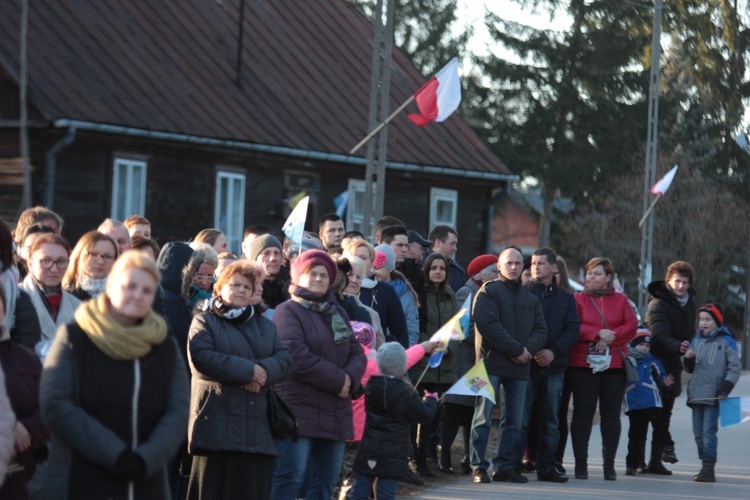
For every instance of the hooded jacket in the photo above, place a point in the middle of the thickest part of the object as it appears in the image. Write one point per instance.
(670, 324)
(508, 319)
(716, 367)
(646, 393)
(172, 260)
(392, 406)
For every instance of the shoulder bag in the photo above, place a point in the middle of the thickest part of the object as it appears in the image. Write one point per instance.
(598, 361)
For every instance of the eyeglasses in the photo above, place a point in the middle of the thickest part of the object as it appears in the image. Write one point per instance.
(47, 263)
(239, 286)
(205, 277)
(105, 257)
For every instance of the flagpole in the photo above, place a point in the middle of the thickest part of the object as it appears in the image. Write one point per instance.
(381, 125)
(422, 376)
(648, 211)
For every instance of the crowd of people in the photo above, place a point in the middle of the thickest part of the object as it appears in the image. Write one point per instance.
(134, 370)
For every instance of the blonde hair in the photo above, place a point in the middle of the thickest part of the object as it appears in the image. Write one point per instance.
(352, 246)
(87, 242)
(208, 236)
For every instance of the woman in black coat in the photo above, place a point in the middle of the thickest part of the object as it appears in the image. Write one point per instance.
(235, 356)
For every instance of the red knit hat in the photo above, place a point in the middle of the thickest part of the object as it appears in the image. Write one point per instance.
(313, 258)
(480, 263)
(715, 311)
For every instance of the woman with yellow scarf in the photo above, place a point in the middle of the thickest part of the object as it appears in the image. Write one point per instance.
(114, 393)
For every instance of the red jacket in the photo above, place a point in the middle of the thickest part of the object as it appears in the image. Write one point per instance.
(620, 318)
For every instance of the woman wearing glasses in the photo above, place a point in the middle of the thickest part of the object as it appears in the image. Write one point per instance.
(198, 276)
(48, 261)
(235, 356)
(90, 263)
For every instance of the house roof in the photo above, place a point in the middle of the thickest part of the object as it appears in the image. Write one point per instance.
(169, 66)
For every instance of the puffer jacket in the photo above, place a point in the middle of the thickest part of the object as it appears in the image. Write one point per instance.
(383, 298)
(224, 417)
(320, 365)
(409, 306)
(507, 319)
(646, 392)
(716, 367)
(392, 406)
(670, 324)
(438, 308)
(619, 317)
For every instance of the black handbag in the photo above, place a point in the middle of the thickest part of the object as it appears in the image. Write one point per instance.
(280, 418)
(631, 368)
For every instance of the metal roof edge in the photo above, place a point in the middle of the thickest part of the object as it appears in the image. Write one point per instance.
(279, 150)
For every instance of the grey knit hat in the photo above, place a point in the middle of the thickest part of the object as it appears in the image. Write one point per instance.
(261, 243)
(391, 359)
(385, 257)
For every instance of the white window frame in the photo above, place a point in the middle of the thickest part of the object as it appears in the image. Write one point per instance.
(232, 229)
(135, 202)
(354, 220)
(437, 195)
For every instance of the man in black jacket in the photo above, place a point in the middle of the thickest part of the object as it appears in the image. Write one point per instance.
(547, 374)
(509, 327)
(671, 319)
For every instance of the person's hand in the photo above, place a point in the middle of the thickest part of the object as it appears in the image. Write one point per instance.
(669, 380)
(22, 437)
(607, 336)
(689, 354)
(429, 347)
(524, 357)
(684, 346)
(721, 396)
(260, 375)
(347, 385)
(544, 357)
(253, 387)
(601, 346)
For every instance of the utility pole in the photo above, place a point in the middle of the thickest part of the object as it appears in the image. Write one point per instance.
(647, 231)
(380, 89)
(23, 128)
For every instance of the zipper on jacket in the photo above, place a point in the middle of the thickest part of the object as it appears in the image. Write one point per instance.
(134, 440)
(713, 353)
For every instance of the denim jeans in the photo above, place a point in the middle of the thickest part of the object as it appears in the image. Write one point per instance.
(362, 488)
(323, 458)
(705, 426)
(510, 425)
(545, 389)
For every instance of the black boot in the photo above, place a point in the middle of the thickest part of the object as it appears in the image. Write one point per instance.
(609, 469)
(706, 474)
(654, 465)
(445, 460)
(581, 469)
(642, 467)
(668, 455)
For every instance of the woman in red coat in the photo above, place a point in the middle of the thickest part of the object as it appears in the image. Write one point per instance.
(607, 322)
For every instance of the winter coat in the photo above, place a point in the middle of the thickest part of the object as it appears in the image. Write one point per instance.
(456, 275)
(173, 258)
(670, 324)
(646, 393)
(275, 292)
(7, 427)
(26, 330)
(319, 372)
(413, 354)
(384, 300)
(716, 367)
(620, 318)
(507, 319)
(563, 323)
(93, 403)
(392, 406)
(23, 370)
(438, 308)
(224, 417)
(409, 306)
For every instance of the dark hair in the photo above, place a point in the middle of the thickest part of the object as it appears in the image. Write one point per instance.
(441, 287)
(208, 236)
(441, 233)
(143, 242)
(682, 268)
(257, 229)
(601, 261)
(563, 280)
(332, 217)
(388, 234)
(6, 246)
(385, 221)
(335, 250)
(38, 227)
(50, 239)
(350, 234)
(547, 252)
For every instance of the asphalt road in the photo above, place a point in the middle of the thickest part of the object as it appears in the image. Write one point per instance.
(732, 469)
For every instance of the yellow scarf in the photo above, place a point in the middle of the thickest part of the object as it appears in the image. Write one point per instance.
(117, 341)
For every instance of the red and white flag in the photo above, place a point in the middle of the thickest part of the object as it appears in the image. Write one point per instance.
(663, 184)
(439, 97)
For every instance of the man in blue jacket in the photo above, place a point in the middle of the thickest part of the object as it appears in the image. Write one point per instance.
(546, 377)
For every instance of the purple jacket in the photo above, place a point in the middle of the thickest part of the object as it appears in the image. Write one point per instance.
(318, 376)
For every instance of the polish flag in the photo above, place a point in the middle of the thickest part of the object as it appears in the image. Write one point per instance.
(663, 184)
(439, 97)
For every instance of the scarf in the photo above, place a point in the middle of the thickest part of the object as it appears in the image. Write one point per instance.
(609, 290)
(328, 307)
(637, 355)
(48, 324)
(92, 286)
(235, 315)
(9, 281)
(122, 343)
(680, 300)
